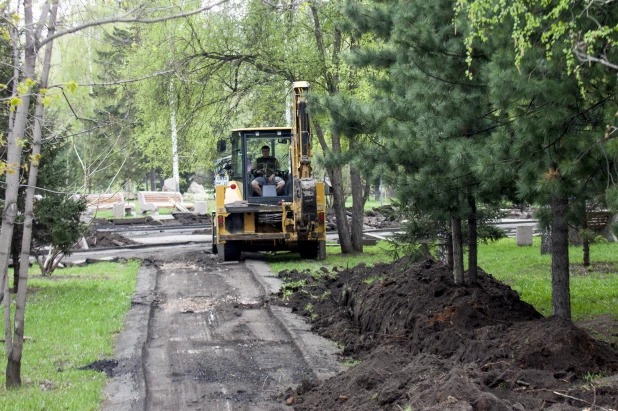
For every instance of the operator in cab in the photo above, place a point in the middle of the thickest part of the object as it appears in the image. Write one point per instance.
(265, 168)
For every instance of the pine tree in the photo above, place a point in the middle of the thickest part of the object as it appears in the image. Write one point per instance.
(433, 119)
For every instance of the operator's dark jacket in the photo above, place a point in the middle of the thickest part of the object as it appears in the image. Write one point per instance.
(267, 164)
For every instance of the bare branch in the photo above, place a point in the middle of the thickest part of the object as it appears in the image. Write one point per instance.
(129, 20)
(114, 83)
(42, 19)
(585, 58)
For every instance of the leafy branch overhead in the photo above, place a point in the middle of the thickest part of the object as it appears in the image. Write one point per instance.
(586, 32)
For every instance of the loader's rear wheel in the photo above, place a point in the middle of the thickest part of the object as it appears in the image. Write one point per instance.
(230, 251)
(214, 240)
(309, 250)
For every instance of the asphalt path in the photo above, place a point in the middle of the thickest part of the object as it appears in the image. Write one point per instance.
(202, 335)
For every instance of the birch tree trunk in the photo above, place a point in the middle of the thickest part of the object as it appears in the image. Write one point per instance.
(172, 98)
(14, 149)
(13, 368)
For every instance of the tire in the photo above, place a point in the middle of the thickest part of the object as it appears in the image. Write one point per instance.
(322, 250)
(309, 250)
(230, 251)
(214, 240)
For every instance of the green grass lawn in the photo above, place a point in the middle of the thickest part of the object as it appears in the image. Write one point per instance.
(71, 320)
(334, 258)
(593, 292)
(370, 203)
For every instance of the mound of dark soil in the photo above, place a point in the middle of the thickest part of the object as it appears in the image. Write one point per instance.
(106, 239)
(106, 366)
(428, 343)
(188, 219)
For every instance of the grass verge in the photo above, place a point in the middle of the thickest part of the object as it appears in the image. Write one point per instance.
(594, 291)
(370, 204)
(71, 320)
(334, 258)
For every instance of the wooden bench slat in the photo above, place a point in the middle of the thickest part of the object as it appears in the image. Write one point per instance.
(153, 200)
(106, 201)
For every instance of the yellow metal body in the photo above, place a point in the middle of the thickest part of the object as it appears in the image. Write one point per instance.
(288, 233)
(288, 223)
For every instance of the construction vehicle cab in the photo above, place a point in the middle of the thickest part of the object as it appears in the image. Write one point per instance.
(266, 197)
(243, 165)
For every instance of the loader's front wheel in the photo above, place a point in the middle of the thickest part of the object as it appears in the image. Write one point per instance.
(230, 251)
(309, 250)
(214, 240)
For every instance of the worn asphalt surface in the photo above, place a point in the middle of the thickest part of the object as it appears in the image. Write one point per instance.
(200, 335)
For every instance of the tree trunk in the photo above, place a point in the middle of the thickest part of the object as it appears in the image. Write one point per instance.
(172, 104)
(546, 242)
(153, 180)
(449, 251)
(458, 271)
(586, 241)
(15, 256)
(472, 242)
(14, 149)
(336, 179)
(13, 373)
(561, 295)
(343, 229)
(357, 207)
(13, 369)
(376, 190)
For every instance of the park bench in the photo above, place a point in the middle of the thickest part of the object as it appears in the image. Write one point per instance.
(155, 200)
(598, 220)
(106, 201)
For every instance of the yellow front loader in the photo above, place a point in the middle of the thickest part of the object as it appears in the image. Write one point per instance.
(289, 216)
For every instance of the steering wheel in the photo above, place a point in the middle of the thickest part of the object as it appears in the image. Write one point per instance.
(225, 170)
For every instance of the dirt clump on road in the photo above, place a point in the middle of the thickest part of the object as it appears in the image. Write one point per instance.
(107, 239)
(188, 219)
(424, 342)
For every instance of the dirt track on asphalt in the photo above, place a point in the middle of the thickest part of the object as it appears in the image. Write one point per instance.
(209, 341)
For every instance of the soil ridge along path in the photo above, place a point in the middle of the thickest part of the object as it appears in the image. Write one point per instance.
(427, 343)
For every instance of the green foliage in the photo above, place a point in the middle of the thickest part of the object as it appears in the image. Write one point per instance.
(575, 32)
(72, 321)
(57, 221)
(431, 120)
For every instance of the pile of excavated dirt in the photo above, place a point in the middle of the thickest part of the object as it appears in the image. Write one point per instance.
(378, 217)
(188, 219)
(107, 239)
(382, 217)
(427, 343)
